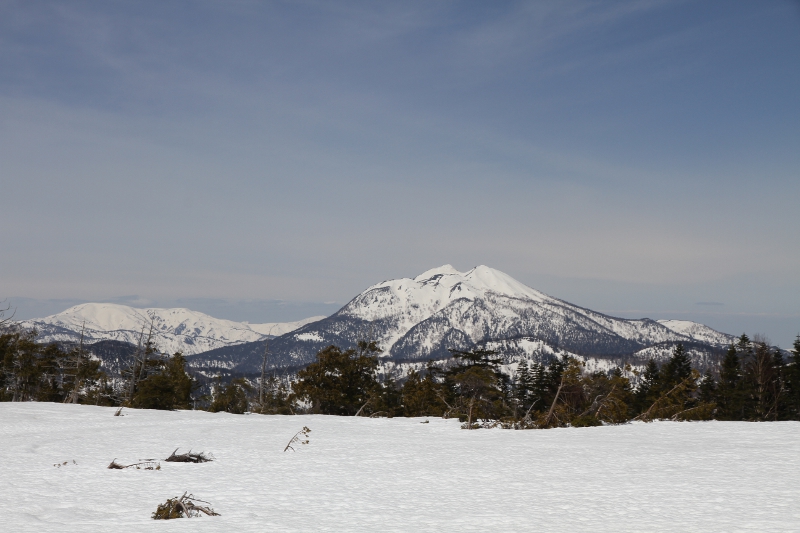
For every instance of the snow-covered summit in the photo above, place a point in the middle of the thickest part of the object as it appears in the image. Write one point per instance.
(426, 316)
(435, 289)
(174, 329)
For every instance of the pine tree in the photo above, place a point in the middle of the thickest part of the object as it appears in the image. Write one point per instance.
(423, 395)
(523, 385)
(166, 384)
(677, 369)
(648, 388)
(340, 382)
(708, 388)
(729, 395)
(792, 376)
(764, 383)
(231, 398)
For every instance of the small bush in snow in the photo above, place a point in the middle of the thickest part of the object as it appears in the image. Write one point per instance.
(187, 506)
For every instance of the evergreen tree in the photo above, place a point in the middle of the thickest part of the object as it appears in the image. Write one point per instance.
(707, 392)
(648, 388)
(276, 399)
(523, 386)
(339, 383)
(764, 383)
(792, 377)
(423, 395)
(166, 385)
(389, 400)
(607, 399)
(729, 396)
(231, 398)
(479, 388)
(677, 369)
(538, 393)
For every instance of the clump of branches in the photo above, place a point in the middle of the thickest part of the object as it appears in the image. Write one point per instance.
(301, 437)
(673, 405)
(189, 457)
(187, 506)
(144, 465)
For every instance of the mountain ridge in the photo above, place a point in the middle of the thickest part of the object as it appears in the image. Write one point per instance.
(174, 329)
(413, 319)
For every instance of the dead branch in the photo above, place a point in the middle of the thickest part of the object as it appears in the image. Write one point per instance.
(144, 465)
(555, 400)
(646, 415)
(189, 457)
(358, 413)
(301, 437)
(184, 507)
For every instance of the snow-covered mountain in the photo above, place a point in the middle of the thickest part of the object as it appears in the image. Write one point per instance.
(174, 330)
(422, 318)
(698, 332)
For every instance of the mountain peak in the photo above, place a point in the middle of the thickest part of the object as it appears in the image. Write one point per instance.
(444, 270)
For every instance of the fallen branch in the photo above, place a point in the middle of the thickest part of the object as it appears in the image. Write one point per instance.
(555, 400)
(645, 417)
(144, 465)
(358, 413)
(189, 457)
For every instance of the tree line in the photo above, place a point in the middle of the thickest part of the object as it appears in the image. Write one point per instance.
(752, 382)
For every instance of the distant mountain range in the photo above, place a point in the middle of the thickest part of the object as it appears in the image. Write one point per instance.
(174, 330)
(413, 320)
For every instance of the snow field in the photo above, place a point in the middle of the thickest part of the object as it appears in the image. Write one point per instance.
(375, 475)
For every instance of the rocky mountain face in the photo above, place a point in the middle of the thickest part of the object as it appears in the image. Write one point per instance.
(420, 319)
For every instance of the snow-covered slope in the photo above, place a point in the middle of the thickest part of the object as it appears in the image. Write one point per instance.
(698, 332)
(174, 330)
(421, 318)
(368, 475)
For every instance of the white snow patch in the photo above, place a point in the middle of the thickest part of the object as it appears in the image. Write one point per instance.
(313, 336)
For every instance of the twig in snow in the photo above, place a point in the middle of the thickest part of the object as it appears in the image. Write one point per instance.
(301, 437)
(144, 465)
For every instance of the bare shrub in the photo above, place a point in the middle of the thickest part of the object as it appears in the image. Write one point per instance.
(187, 506)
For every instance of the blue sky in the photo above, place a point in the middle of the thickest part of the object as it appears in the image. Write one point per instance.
(269, 160)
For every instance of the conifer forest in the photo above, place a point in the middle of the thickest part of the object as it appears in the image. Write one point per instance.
(751, 382)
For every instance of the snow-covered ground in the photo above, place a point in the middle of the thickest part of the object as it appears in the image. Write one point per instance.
(377, 475)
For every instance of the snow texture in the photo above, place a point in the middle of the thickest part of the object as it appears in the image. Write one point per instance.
(375, 475)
